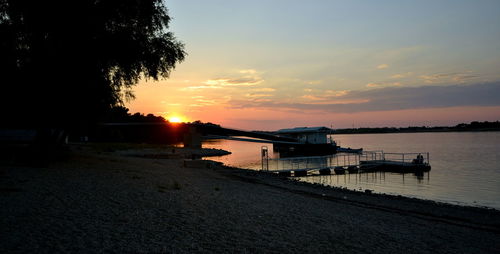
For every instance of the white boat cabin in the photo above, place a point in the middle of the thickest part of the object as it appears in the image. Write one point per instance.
(307, 135)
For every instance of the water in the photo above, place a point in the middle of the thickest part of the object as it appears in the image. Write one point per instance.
(465, 165)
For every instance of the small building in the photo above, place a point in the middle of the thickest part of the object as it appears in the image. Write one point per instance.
(307, 135)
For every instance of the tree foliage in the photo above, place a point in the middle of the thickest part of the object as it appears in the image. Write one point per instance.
(65, 62)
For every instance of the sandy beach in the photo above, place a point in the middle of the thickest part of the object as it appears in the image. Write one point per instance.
(152, 201)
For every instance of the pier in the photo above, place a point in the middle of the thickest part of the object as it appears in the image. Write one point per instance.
(368, 161)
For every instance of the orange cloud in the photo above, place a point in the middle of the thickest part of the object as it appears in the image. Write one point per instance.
(382, 66)
(336, 93)
(253, 95)
(312, 97)
(401, 75)
(265, 89)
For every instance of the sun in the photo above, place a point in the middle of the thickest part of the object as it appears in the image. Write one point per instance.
(175, 119)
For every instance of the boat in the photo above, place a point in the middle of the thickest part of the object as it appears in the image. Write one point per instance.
(310, 141)
(349, 150)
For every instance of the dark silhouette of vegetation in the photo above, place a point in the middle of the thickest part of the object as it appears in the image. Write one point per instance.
(479, 125)
(121, 126)
(120, 114)
(64, 63)
(118, 125)
(473, 126)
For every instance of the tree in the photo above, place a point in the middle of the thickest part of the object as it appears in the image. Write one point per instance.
(64, 63)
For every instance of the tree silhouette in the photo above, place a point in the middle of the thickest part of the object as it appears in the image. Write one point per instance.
(64, 63)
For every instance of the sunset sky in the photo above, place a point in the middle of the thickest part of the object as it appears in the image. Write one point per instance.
(271, 64)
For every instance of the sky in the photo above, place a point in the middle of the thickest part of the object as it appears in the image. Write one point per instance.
(271, 64)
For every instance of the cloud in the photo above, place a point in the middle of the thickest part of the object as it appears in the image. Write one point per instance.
(382, 66)
(264, 89)
(328, 96)
(336, 93)
(401, 75)
(257, 95)
(250, 78)
(313, 97)
(447, 77)
(394, 98)
(379, 85)
(314, 82)
(224, 82)
(463, 77)
(248, 71)
(238, 80)
(200, 87)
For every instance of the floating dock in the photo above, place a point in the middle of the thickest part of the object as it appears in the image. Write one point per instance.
(368, 161)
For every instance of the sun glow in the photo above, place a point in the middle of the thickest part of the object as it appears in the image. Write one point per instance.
(175, 119)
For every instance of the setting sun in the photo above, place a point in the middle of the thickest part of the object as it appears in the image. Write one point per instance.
(175, 119)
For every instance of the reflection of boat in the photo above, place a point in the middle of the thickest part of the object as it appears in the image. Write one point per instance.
(310, 141)
(349, 150)
(352, 169)
(325, 171)
(339, 170)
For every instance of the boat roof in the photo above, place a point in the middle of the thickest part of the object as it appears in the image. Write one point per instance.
(305, 130)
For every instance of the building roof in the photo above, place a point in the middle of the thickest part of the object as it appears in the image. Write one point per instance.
(305, 130)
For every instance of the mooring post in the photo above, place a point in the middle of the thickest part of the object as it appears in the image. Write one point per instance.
(265, 158)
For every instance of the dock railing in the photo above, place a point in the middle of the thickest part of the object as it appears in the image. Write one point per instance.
(309, 162)
(376, 155)
(367, 158)
(298, 163)
(405, 158)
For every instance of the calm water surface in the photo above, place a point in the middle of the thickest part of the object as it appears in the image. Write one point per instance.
(465, 165)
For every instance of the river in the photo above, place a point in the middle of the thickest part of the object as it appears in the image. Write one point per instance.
(465, 165)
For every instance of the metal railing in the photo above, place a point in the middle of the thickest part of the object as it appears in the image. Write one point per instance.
(338, 160)
(414, 158)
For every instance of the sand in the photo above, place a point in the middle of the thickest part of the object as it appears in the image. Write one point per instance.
(120, 202)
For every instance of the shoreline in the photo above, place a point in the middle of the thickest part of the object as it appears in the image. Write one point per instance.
(106, 200)
(456, 203)
(396, 195)
(375, 200)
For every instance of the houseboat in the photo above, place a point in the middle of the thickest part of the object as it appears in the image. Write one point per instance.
(310, 141)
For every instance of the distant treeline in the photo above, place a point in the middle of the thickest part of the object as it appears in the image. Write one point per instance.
(121, 115)
(472, 126)
(119, 125)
